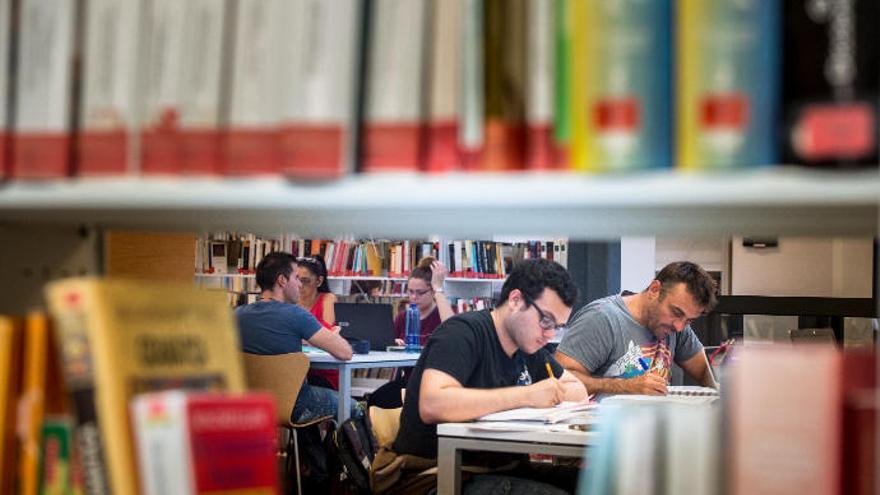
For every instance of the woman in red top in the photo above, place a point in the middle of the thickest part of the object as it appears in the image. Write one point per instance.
(425, 290)
(316, 297)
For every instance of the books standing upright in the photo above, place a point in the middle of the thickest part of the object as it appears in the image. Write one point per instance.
(119, 338)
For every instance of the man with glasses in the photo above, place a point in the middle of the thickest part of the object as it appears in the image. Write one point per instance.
(625, 344)
(482, 362)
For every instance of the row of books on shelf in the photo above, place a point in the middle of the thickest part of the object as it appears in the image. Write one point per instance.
(130, 387)
(316, 89)
(241, 253)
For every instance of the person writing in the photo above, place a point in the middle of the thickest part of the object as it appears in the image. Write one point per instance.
(424, 288)
(625, 344)
(486, 361)
(275, 324)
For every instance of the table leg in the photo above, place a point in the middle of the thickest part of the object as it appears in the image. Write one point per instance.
(344, 393)
(448, 467)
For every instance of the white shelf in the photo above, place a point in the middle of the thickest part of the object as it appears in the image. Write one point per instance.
(335, 277)
(767, 201)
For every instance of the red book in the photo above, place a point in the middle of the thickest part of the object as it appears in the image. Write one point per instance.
(199, 443)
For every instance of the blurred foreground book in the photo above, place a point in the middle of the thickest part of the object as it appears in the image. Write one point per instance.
(120, 338)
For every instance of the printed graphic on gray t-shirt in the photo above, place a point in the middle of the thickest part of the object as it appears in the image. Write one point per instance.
(604, 338)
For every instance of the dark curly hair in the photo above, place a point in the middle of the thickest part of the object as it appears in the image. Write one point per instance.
(532, 276)
(699, 284)
(272, 265)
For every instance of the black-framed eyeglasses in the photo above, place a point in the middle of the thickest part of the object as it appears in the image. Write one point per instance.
(545, 321)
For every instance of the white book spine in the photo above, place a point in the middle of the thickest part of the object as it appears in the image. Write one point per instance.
(472, 112)
(320, 50)
(395, 74)
(256, 81)
(446, 53)
(164, 49)
(202, 55)
(5, 52)
(539, 62)
(161, 433)
(45, 65)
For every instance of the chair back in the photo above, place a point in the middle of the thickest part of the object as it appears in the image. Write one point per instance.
(280, 375)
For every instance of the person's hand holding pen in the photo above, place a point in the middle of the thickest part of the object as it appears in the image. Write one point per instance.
(546, 393)
(648, 383)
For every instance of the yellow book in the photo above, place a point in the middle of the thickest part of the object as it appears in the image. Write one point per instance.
(120, 338)
(32, 403)
(10, 386)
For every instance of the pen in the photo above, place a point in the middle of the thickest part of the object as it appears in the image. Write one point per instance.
(549, 370)
(643, 363)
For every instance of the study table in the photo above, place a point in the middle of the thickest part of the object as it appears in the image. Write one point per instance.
(539, 438)
(321, 360)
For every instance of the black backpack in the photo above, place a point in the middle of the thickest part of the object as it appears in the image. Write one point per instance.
(351, 451)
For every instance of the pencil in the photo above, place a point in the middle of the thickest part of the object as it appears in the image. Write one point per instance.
(549, 370)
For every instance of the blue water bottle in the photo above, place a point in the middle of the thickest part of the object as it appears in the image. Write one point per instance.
(413, 330)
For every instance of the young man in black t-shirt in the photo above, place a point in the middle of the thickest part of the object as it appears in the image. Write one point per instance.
(487, 361)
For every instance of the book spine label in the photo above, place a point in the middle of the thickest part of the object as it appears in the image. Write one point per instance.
(727, 59)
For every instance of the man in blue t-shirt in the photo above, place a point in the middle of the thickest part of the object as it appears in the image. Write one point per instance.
(625, 344)
(275, 324)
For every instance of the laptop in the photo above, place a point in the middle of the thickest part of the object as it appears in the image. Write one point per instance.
(366, 321)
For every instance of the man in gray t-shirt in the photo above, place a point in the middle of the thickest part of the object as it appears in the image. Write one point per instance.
(625, 344)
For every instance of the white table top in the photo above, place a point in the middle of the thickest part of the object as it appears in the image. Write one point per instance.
(372, 357)
(536, 433)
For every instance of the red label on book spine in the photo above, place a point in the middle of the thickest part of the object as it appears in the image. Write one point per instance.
(505, 146)
(43, 155)
(233, 444)
(252, 152)
(200, 152)
(391, 147)
(4, 154)
(442, 143)
(160, 152)
(539, 154)
(836, 131)
(313, 151)
(102, 153)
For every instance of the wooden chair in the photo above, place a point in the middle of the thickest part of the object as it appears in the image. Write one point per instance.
(282, 376)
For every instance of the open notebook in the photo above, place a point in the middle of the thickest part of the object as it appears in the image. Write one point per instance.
(561, 412)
